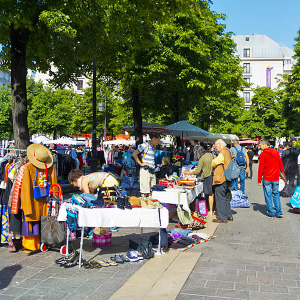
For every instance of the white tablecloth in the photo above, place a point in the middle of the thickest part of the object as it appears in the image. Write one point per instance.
(115, 217)
(171, 195)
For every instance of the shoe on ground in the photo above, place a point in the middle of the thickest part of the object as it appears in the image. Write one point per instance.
(280, 217)
(131, 256)
(139, 256)
(230, 219)
(117, 259)
(219, 221)
(67, 259)
(270, 217)
(124, 258)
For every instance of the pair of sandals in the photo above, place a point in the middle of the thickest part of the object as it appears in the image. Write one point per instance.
(97, 264)
(149, 203)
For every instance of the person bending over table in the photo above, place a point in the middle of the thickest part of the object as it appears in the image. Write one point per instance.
(90, 182)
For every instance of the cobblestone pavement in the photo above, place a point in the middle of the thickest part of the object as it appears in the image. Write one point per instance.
(38, 277)
(252, 257)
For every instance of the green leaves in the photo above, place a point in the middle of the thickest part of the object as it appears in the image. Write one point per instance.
(58, 22)
(6, 129)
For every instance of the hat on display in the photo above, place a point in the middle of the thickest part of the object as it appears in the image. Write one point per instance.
(39, 156)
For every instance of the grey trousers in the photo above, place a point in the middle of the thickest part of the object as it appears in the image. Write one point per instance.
(222, 198)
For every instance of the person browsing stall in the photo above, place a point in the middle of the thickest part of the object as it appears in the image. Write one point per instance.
(147, 163)
(90, 182)
(204, 169)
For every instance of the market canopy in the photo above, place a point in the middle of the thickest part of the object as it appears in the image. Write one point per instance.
(65, 141)
(40, 139)
(227, 138)
(149, 128)
(184, 129)
(248, 142)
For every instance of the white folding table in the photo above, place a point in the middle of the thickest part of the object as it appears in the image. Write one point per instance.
(170, 195)
(115, 217)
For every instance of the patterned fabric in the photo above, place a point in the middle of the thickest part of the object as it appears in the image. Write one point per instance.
(148, 153)
(239, 199)
(4, 228)
(17, 190)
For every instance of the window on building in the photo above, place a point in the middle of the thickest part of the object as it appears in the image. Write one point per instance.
(247, 38)
(246, 52)
(288, 72)
(80, 84)
(247, 79)
(247, 97)
(246, 67)
(288, 61)
(247, 108)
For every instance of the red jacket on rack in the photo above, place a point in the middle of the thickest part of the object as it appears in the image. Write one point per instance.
(270, 165)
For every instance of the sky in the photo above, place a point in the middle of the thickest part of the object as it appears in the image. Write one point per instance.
(278, 19)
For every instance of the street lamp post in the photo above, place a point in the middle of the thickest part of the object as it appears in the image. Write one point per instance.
(101, 105)
(94, 137)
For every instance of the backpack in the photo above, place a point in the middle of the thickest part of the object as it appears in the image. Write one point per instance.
(240, 157)
(233, 170)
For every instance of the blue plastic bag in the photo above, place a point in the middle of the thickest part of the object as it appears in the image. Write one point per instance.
(295, 200)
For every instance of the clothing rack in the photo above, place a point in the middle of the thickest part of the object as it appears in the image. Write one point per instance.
(16, 151)
(13, 149)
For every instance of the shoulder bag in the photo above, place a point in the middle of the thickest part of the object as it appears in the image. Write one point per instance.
(40, 191)
(184, 217)
(52, 231)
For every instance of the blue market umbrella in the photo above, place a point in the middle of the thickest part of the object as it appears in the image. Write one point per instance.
(184, 129)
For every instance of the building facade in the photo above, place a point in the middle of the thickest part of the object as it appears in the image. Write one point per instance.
(263, 60)
(4, 78)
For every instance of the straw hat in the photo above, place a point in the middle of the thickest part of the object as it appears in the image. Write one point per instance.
(38, 155)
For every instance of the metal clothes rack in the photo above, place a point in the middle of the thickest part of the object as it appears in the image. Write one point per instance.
(16, 151)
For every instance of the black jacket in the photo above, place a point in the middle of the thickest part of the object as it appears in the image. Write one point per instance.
(290, 160)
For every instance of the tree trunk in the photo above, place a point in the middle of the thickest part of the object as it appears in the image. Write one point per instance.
(137, 115)
(19, 40)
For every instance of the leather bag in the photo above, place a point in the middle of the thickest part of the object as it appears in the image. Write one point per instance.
(52, 231)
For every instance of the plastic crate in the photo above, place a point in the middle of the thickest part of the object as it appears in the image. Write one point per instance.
(102, 239)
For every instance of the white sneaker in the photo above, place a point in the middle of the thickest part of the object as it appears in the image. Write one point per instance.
(139, 256)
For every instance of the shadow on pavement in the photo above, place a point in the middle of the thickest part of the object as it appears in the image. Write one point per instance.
(262, 208)
(7, 274)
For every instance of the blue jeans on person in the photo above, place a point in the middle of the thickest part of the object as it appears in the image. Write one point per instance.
(271, 192)
(242, 180)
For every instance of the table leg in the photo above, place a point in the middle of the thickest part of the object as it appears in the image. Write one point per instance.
(159, 252)
(67, 242)
(81, 244)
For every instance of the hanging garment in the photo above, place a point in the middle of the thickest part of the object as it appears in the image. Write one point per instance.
(34, 208)
(17, 190)
(31, 243)
(4, 227)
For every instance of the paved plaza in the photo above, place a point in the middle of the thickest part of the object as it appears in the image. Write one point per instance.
(252, 257)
